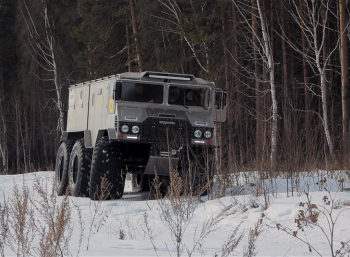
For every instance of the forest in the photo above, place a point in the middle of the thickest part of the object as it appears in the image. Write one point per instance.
(283, 63)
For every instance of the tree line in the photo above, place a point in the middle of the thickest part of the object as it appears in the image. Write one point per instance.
(283, 63)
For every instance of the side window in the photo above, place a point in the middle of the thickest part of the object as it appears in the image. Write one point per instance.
(220, 105)
(118, 91)
(218, 100)
(224, 100)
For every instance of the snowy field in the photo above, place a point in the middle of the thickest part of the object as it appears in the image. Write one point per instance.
(118, 227)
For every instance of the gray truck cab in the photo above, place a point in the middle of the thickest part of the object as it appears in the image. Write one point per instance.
(142, 123)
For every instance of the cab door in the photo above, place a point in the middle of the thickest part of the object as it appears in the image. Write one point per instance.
(220, 105)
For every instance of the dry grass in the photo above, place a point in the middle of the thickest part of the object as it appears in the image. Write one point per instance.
(24, 233)
(177, 209)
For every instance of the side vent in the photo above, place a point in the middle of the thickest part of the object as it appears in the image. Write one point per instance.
(130, 118)
(163, 115)
(116, 123)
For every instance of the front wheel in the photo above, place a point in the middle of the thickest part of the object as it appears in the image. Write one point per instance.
(106, 178)
(61, 168)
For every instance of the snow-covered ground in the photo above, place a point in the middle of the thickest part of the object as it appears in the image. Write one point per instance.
(119, 227)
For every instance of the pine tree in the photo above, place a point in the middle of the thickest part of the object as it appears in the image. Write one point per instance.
(100, 32)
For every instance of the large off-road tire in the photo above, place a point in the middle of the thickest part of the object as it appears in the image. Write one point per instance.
(79, 169)
(197, 171)
(106, 179)
(140, 182)
(61, 168)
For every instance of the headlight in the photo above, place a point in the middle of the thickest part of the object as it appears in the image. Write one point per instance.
(208, 134)
(125, 128)
(135, 129)
(197, 133)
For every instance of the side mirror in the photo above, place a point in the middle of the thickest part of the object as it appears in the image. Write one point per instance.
(220, 105)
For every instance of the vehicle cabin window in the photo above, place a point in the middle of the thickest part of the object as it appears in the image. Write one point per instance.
(186, 96)
(220, 99)
(139, 92)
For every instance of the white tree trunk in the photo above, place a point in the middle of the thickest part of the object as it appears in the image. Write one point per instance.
(45, 49)
(51, 43)
(325, 113)
(271, 67)
(321, 69)
(313, 28)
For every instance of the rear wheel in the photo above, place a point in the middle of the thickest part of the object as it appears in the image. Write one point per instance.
(61, 168)
(106, 178)
(79, 169)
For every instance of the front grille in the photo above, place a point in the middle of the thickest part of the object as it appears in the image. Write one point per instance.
(166, 130)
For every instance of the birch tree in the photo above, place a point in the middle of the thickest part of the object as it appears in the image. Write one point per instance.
(312, 20)
(42, 44)
(264, 48)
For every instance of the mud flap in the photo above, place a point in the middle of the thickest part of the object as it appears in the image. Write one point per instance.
(161, 165)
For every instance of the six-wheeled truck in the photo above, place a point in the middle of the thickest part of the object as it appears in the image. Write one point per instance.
(146, 124)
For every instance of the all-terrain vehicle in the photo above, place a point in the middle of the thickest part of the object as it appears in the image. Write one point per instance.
(145, 124)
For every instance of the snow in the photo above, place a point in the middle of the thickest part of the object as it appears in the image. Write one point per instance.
(102, 232)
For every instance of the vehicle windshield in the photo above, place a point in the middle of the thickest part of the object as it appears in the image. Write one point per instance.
(139, 92)
(186, 96)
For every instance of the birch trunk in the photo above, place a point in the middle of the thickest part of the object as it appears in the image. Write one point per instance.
(270, 65)
(51, 42)
(44, 47)
(322, 73)
(258, 102)
(314, 28)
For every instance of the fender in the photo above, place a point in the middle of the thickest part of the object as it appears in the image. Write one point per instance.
(86, 134)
